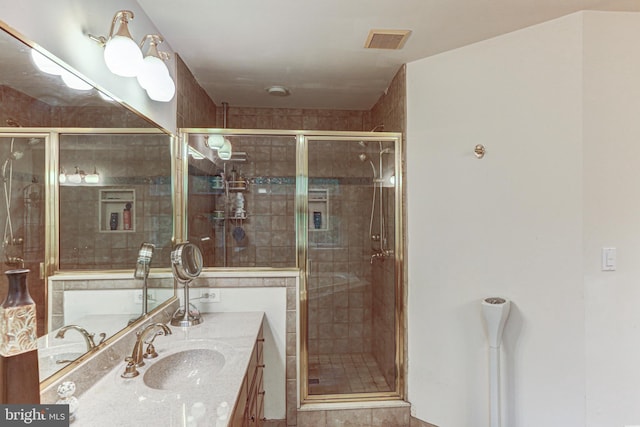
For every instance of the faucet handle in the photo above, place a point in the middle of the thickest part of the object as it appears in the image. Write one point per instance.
(103, 336)
(130, 370)
(151, 352)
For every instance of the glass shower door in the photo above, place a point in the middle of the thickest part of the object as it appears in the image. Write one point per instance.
(22, 215)
(351, 281)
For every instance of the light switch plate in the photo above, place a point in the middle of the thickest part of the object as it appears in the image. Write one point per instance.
(609, 259)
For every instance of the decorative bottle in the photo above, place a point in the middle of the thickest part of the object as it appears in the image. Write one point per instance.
(19, 374)
(126, 217)
(18, 316)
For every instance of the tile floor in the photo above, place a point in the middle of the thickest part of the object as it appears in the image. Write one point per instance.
(345, 373)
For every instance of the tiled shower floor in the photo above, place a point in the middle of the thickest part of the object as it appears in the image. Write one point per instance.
(345, 373)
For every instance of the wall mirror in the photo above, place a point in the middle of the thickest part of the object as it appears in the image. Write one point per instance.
(85, 182)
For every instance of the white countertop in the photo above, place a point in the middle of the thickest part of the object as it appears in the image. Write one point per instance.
(113, 400)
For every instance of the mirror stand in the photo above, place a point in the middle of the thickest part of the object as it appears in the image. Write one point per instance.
(188, 315)
(186, 264)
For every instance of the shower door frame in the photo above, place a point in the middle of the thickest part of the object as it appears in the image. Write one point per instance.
(302, 229)
(301, 217)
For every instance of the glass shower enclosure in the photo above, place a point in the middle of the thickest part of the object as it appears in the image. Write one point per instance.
(324, 204)
(353, 253)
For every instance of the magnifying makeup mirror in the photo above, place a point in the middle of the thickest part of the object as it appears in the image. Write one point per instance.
(142, 270)
(186, 264)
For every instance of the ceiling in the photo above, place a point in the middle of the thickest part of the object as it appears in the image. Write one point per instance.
(237, 48)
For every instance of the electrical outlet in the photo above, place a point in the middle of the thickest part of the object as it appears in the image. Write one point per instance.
(137, 297)
(210, 295)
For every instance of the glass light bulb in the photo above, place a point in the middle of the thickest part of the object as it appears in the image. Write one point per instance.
(74, 178)
(215, 141)
(122, 56)
(74, 82)
(226, 150)
(44, 64)
(153, 72)
(92, 178)
(164, 91)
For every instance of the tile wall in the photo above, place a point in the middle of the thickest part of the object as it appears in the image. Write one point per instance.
(141, 163)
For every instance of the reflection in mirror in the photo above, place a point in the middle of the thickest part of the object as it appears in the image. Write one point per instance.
(33, 98)
(102, 225)
(241, 211)
(22, 216)
(96, 303)
(145, 254)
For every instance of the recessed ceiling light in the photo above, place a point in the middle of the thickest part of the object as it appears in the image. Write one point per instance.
(278, 91)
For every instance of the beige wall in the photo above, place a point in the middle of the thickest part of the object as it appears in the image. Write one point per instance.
(508, 225)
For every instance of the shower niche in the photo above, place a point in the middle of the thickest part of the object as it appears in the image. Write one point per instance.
(117, 208)
(318, 209)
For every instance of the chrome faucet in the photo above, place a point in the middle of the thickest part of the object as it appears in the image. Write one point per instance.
(136, 359)
(88, 337)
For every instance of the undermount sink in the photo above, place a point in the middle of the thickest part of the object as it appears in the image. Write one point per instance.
(184, 370)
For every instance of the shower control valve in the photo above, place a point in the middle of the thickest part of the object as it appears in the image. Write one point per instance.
(381, 254)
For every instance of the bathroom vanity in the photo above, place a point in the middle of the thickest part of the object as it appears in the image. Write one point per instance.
(204, 375)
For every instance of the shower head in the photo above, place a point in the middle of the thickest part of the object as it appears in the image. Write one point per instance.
(16, 155)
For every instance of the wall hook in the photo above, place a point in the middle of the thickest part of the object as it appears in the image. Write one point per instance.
(479, 151)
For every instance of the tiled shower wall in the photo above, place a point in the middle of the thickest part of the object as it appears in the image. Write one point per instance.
(137, 162)
(269, 229)
(340, 291)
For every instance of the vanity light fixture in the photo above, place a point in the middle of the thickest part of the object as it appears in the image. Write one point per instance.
(79, 177)
(46, 65)
(92, 178)
(154, 75)
(225, 151)
(76, 178)
(124, 58)
(121, 54)
(74, 82)
(214, 141)
(62, 178)
(220, 144)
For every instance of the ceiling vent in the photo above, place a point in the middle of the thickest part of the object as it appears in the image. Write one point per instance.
(387, 39)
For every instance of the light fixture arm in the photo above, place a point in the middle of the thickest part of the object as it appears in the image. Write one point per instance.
(154, 41)
(124, 16)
